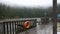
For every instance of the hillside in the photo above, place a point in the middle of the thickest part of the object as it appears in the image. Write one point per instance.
(24, 12)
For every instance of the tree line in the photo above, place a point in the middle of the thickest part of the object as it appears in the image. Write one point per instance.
(19, 12)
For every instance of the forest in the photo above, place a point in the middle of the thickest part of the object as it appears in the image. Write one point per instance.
(25, 12)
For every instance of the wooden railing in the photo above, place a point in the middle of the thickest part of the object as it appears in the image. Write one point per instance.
(11, 26)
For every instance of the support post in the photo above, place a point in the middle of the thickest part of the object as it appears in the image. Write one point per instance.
(54, 16)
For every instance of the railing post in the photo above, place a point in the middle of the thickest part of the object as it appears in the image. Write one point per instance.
(4, 27)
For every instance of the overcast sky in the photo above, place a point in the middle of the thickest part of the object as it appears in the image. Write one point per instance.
(29, 3)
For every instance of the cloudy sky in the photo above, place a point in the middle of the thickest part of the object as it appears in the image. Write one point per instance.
(29, 3)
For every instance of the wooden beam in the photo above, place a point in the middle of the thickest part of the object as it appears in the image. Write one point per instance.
(54, 16)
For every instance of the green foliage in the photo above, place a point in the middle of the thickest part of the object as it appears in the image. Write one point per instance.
(11, 12)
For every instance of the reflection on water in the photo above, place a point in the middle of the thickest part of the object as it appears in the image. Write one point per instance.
(44, 29)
